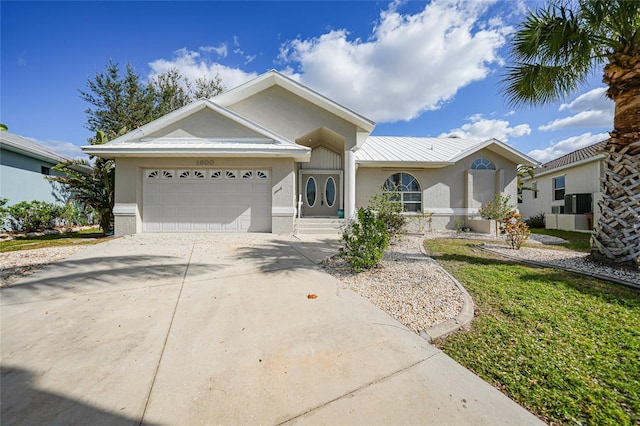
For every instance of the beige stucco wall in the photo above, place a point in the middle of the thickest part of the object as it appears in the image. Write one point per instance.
(447, 191)
(204, 124)
(291, 116)
(580, 179)
(129, 196)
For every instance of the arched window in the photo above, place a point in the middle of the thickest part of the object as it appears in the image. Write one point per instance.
(407, 189)
(482, 163)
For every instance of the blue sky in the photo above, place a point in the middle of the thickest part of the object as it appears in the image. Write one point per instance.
(416, 68)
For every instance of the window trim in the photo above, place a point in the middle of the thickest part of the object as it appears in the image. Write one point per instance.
(404, 191)
(558, 190)
(482, 163)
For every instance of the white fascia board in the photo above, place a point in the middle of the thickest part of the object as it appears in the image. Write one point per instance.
(598, 157)
(114, 152)
(405, 164)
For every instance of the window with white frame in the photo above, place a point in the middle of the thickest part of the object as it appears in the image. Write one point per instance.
(534, 189)
(482, 163)
(406, 190)
(558, 188)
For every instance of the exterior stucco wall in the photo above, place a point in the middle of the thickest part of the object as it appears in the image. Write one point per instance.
(21, 180)
(129, 196)
(447, 191)
(291, 116)
(580, 179)
(204, 124)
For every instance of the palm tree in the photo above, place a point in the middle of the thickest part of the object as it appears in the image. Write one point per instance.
(552, 52)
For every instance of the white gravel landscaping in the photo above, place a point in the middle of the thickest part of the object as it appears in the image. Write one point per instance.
(17, 264)
(566, 259)
(407, 285)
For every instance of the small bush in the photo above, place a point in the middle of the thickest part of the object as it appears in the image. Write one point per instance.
(497, 209)
(536, 221)
(516, 231)
(34, 216)
(389, 211)
(365, 240)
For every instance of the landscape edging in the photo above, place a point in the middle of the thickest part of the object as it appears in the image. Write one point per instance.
(462, 320)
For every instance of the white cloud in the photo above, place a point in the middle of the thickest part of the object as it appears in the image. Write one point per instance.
(409, 64)
(220, 50)
(192, 65)
(566, 146)
(66, 149)
(591, 109)
(482, 128)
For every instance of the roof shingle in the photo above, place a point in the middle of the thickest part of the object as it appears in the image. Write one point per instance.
(572, 157)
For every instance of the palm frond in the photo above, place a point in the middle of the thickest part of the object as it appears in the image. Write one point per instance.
(539, 84)
(552, 53)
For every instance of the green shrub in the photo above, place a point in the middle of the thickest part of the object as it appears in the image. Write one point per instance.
(497, 209)
(389, 211)
(536, 221)
(3, 213)
(365, 240)
(34, 216)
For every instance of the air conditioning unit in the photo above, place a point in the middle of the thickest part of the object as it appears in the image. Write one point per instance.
(578, 204)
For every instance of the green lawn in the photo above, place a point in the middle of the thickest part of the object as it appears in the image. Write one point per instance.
(564, 346)
(578, 241)
(87, 236)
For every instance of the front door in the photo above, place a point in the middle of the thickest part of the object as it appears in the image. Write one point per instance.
(320, 194)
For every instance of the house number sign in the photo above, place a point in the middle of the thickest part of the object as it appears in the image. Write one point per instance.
(205, 162)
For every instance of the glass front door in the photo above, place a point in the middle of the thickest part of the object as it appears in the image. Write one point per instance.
(320, 194)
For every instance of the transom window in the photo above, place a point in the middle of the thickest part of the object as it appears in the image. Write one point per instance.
(406, 190)
(482, 163)
(558, 188)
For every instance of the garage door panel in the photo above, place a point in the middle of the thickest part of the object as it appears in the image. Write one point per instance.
(221, 200)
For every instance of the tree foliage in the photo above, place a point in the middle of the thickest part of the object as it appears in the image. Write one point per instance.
(497, 209)
(122, 101)
(118, 103)
(552, 53)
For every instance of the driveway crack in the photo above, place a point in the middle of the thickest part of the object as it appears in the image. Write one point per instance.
(166, 337)
(359, 388)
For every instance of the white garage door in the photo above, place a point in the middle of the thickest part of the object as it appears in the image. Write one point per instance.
(204, 200)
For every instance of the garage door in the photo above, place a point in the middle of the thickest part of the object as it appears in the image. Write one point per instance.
(205, 200)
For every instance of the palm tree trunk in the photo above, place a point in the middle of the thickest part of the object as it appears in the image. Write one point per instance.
(616, 237)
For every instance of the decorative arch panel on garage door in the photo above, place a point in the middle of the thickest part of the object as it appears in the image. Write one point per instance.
(206, 200)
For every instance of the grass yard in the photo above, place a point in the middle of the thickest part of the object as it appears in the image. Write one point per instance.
(87, 236)
(578, 241)
(564, 346)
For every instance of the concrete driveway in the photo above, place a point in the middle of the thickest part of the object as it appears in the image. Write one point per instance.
(218, 329)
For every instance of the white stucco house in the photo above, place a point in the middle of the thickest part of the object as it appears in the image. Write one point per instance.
(242, 160)
(568, 190)
(24, 165)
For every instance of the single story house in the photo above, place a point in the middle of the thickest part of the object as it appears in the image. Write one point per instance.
(266, 152)
(24, 165)
(567, 190)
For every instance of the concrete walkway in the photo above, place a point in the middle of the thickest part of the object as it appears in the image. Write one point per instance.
(218, 329)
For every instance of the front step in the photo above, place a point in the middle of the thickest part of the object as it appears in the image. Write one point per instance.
(314, 225)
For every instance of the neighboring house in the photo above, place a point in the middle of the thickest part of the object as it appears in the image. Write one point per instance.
(568, 190)
(24, 165)
(242, 160)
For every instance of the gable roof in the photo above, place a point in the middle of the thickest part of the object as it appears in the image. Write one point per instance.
(580, 156)
(274, 78)
(139, 144)
(429, 152)
(29, 147)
